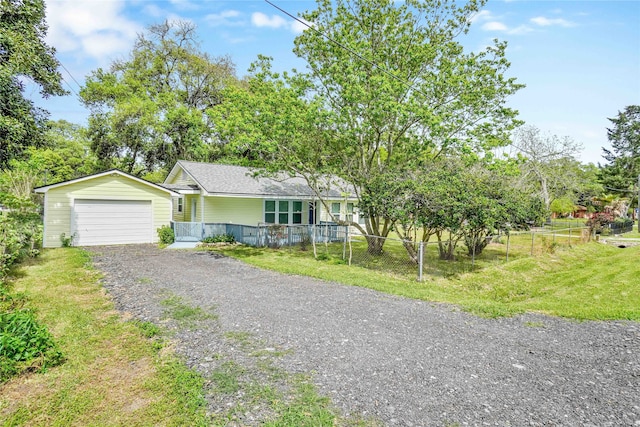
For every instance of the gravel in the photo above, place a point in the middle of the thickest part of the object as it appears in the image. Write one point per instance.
(396, 360)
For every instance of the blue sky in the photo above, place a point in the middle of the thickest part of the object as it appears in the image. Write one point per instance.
(580, 60)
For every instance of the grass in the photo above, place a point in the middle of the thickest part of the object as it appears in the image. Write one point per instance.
(185, 314)
(587, 281)
(113, 374)
(123, 372)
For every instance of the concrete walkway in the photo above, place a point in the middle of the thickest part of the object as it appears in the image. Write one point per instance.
(183, 245)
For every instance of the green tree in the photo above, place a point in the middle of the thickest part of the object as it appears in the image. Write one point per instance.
(150, 110)
(456, 201)
(562, 206)
(24, 56)
(65, 156)
(620, 174)
(394, 87)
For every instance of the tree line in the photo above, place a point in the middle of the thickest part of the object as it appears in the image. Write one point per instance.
(390, 103)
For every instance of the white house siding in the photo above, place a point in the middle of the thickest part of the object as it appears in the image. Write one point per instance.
(59, 202)
(176, 214)
(182, 178)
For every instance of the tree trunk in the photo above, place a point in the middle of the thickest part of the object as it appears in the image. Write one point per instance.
(375, 245)
(445, 248)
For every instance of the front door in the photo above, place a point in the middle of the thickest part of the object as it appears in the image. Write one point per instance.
(312, 213)
(194, 207)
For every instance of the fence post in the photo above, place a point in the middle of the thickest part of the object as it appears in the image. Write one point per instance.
(508, 238)
(344, 244)
(420, 260)
(533, 236)
(569, 234)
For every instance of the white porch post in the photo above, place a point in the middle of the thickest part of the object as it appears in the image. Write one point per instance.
(202, 212)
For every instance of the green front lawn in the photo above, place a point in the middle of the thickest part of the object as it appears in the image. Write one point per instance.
(587, 281)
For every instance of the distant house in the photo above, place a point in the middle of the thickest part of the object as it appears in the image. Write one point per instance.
(215, 193)
(581, 212)
(114, 207)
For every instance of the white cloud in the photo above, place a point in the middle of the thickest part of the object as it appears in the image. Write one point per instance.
(274, 21)
(98, 28)
(298, 27)
(184, 4)
(227, 18)
(483, 15)
(259, 19)
(494, 26)
(153, 10)
(521, 29)
(546, 22)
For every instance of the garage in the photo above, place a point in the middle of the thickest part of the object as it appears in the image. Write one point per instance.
(107, 208)
(112, 222)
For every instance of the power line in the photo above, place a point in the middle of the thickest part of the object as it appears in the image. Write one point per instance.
(70, 75)
(68, 72)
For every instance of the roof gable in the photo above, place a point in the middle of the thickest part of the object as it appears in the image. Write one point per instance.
(116, 172)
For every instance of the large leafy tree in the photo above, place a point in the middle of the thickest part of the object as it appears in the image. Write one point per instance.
(150, 110)
(24, 59)
(455, 200)
(621, 172)
(395, 88)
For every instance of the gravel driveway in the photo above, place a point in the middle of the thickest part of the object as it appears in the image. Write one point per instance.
(399, 361)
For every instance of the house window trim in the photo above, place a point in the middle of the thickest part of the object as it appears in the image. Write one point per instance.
(277, 213)
(180, 205)
(336, 215)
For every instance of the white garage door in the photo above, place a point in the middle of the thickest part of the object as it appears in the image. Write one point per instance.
(112, 222)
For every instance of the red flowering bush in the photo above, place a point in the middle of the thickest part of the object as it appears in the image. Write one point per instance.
(599, 221)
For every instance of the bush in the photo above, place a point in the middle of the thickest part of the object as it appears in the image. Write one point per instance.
(66, 241)
(220, 238)
(598, 222)
(25, 344)
(20, 232)
(166, 235)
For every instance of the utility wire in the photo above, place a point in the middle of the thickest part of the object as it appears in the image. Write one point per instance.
(68, 72)
(73, 78)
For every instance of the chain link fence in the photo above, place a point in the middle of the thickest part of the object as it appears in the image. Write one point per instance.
(419, 260)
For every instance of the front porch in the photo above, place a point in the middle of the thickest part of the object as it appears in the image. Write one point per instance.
(267, 235)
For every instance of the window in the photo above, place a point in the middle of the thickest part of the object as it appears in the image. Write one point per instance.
(362, 217)
(283, 212)
(297, 213)
(349, 216)
(335, 210)
(180, 204)
(270, 211)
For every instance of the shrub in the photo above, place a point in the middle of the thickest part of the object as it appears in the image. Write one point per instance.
(220, 238)
(25, 344)
(599, 221)
(20, 232)
(166, 235)
(66, 241)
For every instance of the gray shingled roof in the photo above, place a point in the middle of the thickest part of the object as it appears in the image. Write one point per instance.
(239, 180)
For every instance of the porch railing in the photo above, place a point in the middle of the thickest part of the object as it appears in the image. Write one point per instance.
(261, 235)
